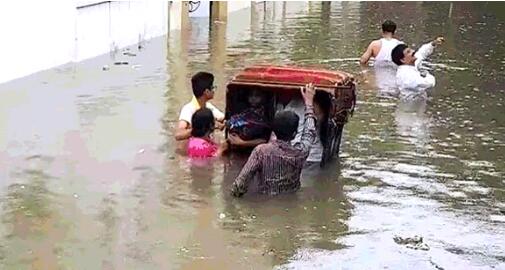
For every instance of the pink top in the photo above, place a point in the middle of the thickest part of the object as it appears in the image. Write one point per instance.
(201, 148)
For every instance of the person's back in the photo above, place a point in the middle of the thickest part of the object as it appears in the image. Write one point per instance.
(386, 46)
(281, 166)
(381, 49)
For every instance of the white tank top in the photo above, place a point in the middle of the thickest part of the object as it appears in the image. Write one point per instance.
(387, 45)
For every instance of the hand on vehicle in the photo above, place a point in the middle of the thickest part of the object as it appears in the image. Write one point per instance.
(308, 93)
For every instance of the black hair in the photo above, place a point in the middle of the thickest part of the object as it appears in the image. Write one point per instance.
(200, 82)
(323, 99)
(397, 54)
(202, 123)
(389, 26)
(285, 125)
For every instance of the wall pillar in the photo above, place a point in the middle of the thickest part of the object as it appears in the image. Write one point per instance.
(218, 11)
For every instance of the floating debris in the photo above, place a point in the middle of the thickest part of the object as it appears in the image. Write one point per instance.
(268, 252)
(415, 242)
(222, 216)
(105, 67)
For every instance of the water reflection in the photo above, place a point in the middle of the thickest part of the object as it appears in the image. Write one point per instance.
(34, 227)
(313, 217)
(413, 124)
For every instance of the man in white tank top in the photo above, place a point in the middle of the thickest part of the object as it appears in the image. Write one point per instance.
(381, 49)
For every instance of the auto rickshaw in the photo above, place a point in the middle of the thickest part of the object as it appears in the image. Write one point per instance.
(281, 84)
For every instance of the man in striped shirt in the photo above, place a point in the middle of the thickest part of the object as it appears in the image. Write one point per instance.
(278, 164)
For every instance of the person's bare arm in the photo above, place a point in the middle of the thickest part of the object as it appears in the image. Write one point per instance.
(236, 140)
(223, 147)
(367, 54)
(183, 131)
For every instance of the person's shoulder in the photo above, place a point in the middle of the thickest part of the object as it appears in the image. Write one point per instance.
(188, 106)
(398, 41)
(263, 148)
(209, 105)
(376, 42)
(187, 112)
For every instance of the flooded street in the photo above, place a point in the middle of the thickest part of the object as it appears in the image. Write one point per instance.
(91, 177)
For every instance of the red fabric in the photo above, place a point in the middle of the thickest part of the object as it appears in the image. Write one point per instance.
(292, 75)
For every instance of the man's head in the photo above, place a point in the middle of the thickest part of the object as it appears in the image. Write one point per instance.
(203, 85)
(255, 98)
(403, 55)
(285, 125)
(388, 27)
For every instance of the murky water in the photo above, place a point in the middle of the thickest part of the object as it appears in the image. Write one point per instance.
(91, 179)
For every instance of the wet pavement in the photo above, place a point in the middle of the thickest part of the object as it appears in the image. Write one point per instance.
(90, 177)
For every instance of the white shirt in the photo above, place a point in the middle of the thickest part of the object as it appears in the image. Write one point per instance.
(316, 150)
(409, 79)
(387, 46)
(190, 108)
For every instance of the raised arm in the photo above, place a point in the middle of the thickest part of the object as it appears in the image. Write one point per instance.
(309, 125)
(426, 50)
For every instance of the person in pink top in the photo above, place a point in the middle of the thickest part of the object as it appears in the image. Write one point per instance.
(201, 143)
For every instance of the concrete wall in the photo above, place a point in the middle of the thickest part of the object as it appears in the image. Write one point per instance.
(38, 35)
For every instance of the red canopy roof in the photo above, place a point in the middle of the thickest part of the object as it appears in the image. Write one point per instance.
(292, 76)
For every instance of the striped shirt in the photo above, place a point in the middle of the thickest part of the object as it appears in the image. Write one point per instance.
(278, 164)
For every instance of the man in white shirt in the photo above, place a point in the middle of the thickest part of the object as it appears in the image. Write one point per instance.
(203, 91)
(380, 49)
(411, 81)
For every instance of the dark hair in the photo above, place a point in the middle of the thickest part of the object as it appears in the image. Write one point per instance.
(323, 99)
(202, 123)
(397, 54)
(389, 26)
(200, 82)
(285, 125)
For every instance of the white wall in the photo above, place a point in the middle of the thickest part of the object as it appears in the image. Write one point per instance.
(38, 35)
(237, 5)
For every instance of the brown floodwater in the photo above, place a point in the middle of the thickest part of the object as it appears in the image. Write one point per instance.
(91, 177)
